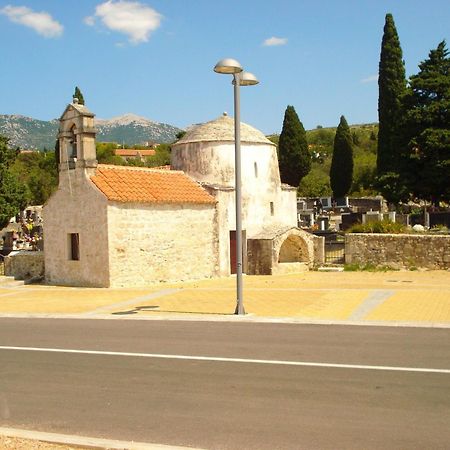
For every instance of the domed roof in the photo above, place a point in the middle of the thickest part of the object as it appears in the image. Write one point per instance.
(222, 129)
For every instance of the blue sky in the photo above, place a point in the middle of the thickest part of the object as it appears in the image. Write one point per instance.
(155, 57)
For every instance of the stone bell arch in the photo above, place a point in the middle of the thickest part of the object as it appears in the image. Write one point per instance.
(76, 139)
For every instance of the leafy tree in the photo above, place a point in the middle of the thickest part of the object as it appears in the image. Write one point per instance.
(275, 138)
(293, 153)
(392, 85)
(77, 94)
(341, 171)
(39, 172)
(427, 127)
(364, 172)
(161, 156)
(394, 187)
(180, 134)
(315, 184)
(13, 193)
(355, 138)
(106, 155)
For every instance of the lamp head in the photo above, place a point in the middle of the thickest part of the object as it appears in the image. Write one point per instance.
(247, 79)
(228, 66)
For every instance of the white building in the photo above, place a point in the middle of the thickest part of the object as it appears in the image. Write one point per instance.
(127, 226)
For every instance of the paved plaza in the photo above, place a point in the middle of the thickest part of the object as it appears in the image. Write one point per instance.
(402, 298)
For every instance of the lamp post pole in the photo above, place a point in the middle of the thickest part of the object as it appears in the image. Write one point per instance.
(240, 78)
(238, 191)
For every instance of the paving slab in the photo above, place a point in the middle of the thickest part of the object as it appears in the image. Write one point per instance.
(335, 297)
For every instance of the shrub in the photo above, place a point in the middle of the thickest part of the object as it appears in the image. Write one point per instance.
(384, 226)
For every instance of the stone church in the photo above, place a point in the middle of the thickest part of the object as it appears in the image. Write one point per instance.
(111, 226)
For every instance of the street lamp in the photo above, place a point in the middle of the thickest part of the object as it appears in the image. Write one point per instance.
(240, 78)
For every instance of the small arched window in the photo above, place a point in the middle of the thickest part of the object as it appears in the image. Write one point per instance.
(256, 169)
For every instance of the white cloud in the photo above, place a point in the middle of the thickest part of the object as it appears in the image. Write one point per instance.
(273, 41)
(131, 18)
(90, 20)
(41, 22)
(370, 79)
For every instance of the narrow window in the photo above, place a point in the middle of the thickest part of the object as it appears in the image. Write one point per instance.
(74, 246)
(272, 209)
(256, 170)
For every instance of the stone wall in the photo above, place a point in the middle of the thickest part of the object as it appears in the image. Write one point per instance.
(24, 265)
(153, 243)
(264, 252)
(76, 207)
(398, 251)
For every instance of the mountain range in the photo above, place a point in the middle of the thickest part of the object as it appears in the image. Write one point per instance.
(129, 129)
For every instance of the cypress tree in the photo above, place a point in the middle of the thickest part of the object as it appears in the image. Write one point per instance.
(78, 95)
(391, 84)
(293, 153)
(341, 171)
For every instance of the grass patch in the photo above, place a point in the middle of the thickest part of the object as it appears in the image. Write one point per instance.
(355, 267)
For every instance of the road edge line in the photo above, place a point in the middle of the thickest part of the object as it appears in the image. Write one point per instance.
(84, 441)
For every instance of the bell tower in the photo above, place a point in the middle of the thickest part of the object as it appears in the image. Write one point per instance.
(76, 139)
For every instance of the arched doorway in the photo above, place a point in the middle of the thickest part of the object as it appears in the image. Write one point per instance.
(293, 250)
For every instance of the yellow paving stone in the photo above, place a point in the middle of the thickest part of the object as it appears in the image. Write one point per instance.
(417, 306)
(311, 294)
(66, 300)
(5, 292)
(437, 279)
(270, 303)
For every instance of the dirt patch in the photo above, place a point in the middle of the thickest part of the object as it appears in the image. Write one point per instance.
(12, 443)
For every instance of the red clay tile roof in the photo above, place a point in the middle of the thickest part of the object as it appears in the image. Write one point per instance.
(133, 152)
(143, 185)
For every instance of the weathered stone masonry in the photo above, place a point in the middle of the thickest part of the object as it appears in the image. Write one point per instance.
(398, 251)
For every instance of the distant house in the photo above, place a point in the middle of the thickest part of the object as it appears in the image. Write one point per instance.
(28, 151)
(131, 153)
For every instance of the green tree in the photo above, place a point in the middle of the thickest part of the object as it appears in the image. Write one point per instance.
(160, 158)
(427, 127)
(106, 154)
(180, 134)
(341, 171)
(13, 193)
(39, 172)
(293, 153)
(315, 184)
(392, 85)
(77, 94)
(364, 172)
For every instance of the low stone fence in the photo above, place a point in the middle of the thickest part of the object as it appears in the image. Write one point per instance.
(24, 265)
(398, 251)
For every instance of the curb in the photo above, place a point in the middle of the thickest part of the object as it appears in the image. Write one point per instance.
(85, 441)
(248, 318)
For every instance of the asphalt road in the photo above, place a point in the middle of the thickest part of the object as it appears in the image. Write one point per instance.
(267, 401)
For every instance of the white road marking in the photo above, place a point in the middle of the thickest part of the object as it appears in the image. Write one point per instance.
(232, 360)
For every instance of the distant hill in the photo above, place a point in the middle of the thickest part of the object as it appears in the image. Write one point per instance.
(129, 129)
